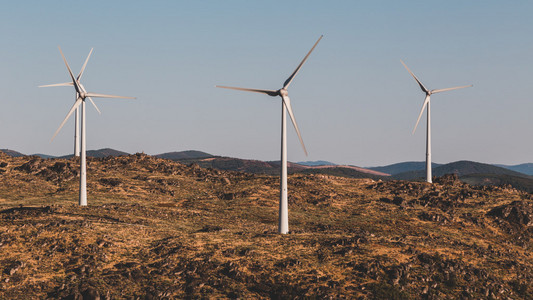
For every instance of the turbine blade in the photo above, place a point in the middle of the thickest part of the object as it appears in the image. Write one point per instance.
(426, 101)
(94, 104)
(287, 103)
(95, 95)
(58, 84)
(268, 92)
(76, 104)
(84, 65)
(289, 80)
(419, 83)
(70, 71)
(449, 89)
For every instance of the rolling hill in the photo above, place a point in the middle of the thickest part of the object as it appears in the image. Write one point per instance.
(475, 173)
(526, 168)
(90, 153)
(517, 182)
(273, 167)
(206, 160)
(470, 172)
(460, 168)
(344, 171)
(184, 155)
(105, 152)
(45, 156)
(12, 153)
(316, 163)
(241, 165)
(158, 229)
(404, 167)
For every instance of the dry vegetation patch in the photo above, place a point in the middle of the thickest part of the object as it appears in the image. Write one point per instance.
(159, 229)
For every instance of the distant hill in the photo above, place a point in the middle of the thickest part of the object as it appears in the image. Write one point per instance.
(45, 156)
(189, 154)
(100, 153)
(90, 153)
(12, 153)
(242, 165)
(517, 182)
(476, 174)
(206, 160)
(404, 167)
(342, 171)
(348, 169)
(316, 163)
(517, 176)
(522, 168)
(105, 153)
(460, 168)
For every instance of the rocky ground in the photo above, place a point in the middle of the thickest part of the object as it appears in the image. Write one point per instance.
(155, 229)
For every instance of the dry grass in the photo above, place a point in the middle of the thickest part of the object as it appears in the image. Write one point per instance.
(159, 229)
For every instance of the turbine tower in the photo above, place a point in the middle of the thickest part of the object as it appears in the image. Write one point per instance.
(428, 128)
(81, 95)
(77, 112)
(285, 107)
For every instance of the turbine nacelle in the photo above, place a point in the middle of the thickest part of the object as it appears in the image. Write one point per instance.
(283, 92)
(81, 93)
(428, 93)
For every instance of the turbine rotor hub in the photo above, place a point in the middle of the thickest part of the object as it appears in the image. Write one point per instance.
(283, 92)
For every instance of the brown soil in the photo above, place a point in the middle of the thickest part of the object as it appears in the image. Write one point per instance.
(156, 229)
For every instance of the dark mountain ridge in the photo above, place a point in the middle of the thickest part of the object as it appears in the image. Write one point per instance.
(316, 163)
(182, 155)
(12, 153)
(100, 153)
(526, 168)
(403, 167)
(461, 168)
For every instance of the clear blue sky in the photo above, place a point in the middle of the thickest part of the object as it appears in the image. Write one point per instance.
(353, 100)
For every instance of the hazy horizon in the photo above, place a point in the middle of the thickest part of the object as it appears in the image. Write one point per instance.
(353, 100)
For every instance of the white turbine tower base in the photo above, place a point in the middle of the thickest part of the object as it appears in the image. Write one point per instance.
(77, 132)
(83, 161)
(285, 108)
(283, 226)
(427, 102)
(80, 148)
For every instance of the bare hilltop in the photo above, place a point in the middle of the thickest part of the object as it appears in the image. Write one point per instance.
(159, 229)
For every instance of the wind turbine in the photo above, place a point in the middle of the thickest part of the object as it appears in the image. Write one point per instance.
(81, 95)
(285, 107)
(428, 128)
(77, 113)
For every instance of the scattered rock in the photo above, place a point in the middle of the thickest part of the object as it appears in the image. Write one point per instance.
(113, 182)
(90, 294)
(210, 228)
(518, 213)
(32, 166)
(448, 179)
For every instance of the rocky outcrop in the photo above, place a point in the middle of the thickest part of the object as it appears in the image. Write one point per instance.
(516, 213)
